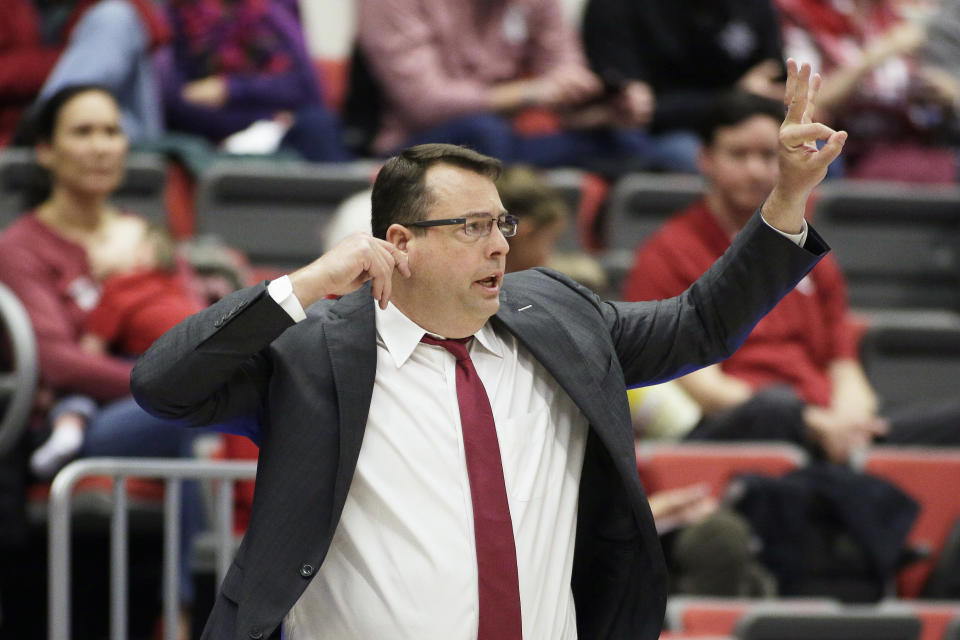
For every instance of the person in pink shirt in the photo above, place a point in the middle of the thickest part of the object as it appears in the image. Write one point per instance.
(458, 72)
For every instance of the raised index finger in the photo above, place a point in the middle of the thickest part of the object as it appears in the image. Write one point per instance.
(797, 98)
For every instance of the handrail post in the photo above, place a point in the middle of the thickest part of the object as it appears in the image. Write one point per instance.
(174, 472)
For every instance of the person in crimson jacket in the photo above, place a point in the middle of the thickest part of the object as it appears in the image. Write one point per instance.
(46, 45)
(797, 377)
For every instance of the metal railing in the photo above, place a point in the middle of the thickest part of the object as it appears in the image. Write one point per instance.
(172, 472)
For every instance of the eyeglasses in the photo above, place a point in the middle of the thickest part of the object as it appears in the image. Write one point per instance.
(477, 227)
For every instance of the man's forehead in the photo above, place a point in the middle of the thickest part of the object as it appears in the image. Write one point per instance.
(456, 191)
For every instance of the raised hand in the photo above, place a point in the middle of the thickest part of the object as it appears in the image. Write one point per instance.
(343, 269)
(802, 164)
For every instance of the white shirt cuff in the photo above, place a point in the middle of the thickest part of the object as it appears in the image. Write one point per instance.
(799, 239)
(281, 290)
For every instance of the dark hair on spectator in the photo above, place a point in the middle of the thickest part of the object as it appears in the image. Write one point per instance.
(734, 107)
(40, 121)
(38, 125)
(400, 194)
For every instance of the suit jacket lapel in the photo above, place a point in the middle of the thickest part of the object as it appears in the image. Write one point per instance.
(553, 346)
(352, 342)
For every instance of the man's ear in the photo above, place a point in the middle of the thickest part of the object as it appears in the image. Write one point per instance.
(399, 236)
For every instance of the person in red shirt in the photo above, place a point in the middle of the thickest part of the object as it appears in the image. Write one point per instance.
(797, 377)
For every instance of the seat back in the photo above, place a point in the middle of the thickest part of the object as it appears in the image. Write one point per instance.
(142, 189)
(671, 466)
(935, 616)
(720, 616)
(275, 211)
(897, 244)
(912, 357)
(847, 624)
(638, 204)
(930, 477)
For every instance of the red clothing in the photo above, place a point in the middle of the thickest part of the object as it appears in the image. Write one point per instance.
(51, 276)
(26, 61)
(793, 344)
(135, 309)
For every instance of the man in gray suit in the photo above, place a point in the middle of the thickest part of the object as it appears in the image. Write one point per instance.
(369, 520)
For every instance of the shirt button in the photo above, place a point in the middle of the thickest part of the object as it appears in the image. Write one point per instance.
(306, 570)
(256, 635)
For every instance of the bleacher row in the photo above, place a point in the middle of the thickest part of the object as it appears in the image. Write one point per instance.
(899, 245)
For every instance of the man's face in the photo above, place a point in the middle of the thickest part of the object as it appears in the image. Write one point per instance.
(456, 279)
(741, 165)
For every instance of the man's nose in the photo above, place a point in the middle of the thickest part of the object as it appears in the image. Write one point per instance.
(496, 242)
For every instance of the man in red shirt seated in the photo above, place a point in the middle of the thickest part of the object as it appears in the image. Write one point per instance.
(797, 377)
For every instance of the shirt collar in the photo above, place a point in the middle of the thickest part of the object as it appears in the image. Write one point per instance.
(401, 335)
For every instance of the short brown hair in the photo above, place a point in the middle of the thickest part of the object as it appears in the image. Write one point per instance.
(400, 194)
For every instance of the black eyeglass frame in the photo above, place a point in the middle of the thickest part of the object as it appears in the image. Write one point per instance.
(502, 219)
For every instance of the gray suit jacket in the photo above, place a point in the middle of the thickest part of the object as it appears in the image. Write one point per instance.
(311, 383)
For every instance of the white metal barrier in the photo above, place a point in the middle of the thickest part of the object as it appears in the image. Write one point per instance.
(172, 472)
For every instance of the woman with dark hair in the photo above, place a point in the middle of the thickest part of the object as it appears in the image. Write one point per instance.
(51, 257)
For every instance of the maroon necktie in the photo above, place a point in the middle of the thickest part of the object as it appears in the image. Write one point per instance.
(498, 584)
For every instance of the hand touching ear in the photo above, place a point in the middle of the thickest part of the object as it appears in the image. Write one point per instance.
(343, 269)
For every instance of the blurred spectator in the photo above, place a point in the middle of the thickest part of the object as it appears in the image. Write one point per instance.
(50, 258)
(238, 71)
(682, 54)
(457, 71)
(142, 296)
(897, 111)
(47, 44)
(543, 213)
(797, 377)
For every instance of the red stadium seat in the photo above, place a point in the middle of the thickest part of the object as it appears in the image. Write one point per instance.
(934, 616)
(931, 476)
(719, 616)
(671, 466)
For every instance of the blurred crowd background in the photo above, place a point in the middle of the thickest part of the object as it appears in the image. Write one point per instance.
(156, 155)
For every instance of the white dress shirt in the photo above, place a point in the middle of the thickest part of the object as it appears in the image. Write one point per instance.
(402, 562)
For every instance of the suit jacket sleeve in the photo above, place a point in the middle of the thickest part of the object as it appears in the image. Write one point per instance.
(660, 340)
(214, 365)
